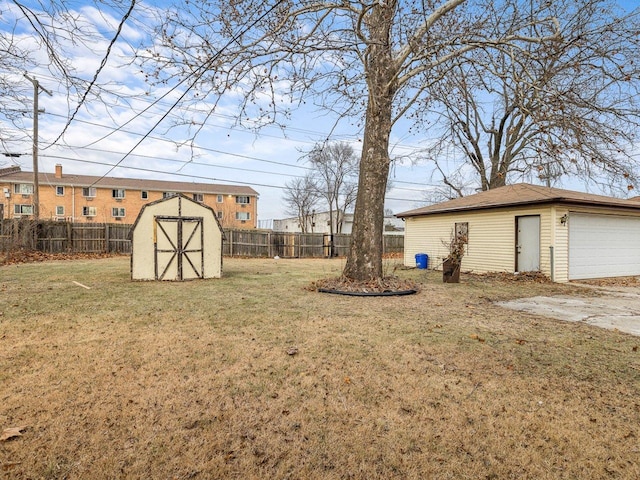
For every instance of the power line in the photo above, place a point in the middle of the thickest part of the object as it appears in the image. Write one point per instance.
(103, 63)
(202, 69)
(206, 164)
(183, 162)
(206, 149)
(186, 175)
(203, 164)
(212, 150)
(144, 99)
(321, 136)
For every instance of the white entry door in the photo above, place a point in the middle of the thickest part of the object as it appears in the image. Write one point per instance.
(528, 243)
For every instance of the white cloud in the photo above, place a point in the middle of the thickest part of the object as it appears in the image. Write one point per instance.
(112, 122)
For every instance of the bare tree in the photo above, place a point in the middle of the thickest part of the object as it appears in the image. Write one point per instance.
(335, 165)
(301, 198)
(46, 36)
(371, 60)
(546, 110)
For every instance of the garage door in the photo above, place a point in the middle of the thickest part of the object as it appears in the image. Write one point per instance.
(603, 246)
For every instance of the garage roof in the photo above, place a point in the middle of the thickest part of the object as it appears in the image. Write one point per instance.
(520, 194)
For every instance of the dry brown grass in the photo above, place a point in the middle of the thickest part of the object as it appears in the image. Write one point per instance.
(194, 380)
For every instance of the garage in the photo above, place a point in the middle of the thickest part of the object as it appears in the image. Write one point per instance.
(563, 234)
(603, 246)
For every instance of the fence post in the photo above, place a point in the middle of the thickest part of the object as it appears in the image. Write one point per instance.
(106, 238)
(299, 238)
(69, 238)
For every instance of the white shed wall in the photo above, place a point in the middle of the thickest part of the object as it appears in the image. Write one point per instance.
(142, 258)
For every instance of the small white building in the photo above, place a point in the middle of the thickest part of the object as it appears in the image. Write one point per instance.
(319, 223)
(564, 234)
(176, 238)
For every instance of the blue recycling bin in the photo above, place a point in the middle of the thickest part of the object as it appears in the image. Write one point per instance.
(422, 260)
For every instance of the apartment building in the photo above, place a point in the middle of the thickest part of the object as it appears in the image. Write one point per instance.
(86, 198)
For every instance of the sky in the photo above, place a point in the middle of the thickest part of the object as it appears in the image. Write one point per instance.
(102, 136)
(133, 139)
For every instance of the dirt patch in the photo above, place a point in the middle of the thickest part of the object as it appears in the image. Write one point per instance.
(611, 282)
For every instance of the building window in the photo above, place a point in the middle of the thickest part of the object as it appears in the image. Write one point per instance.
(168, 194)
(59, 191)
(89, 211)
(198, 197)
(60, 211)
(23, 188)
(219, 214)
(243, 215)
(243, 199)
(144, 195)
(117, 212)
(23, 209)
(88, 192)
(117, 193)
(220, 199)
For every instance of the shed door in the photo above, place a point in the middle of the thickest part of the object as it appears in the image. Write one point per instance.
(528, 243)
(178, 245)
(603, 246)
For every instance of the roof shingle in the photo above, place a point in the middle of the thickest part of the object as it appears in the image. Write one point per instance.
(15, 175)
(519, 194)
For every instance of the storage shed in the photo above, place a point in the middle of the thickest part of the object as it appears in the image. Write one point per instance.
(564, 234)
(176, 238)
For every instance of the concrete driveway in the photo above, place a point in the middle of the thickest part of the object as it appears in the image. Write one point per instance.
(617, 308)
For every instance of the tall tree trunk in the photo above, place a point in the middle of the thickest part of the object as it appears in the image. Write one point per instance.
(364, 261)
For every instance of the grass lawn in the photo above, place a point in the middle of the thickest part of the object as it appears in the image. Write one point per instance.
(198, 380)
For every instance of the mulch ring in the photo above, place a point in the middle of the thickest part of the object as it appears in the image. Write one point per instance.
(18, 256)
(386, 286)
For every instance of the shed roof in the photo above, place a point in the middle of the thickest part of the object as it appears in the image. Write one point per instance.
(181, 196)
(518, 195)
(14, 174)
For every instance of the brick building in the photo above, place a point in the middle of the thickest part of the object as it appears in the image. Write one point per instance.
(86, 198)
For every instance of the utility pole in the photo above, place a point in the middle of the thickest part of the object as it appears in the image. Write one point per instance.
(36, 186)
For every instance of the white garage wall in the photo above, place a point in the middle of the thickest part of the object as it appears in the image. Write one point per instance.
(560, 242)
(491, 245)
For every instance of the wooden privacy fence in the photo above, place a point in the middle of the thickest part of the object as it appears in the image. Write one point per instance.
(260, 243)
(65, 237)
